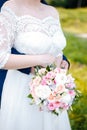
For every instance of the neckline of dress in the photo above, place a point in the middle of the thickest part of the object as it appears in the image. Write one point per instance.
(27, 15)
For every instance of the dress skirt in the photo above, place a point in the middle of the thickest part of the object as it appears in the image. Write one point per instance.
(16, 113)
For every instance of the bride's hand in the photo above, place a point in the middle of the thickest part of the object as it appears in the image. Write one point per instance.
(58, 61)
(47, 59)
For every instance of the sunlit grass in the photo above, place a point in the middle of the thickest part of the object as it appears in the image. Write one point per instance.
(74, 20)
(76, 48)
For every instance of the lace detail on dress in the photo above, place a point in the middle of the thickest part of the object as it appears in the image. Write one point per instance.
(27, 23)
(6, 38)
(30, 35)
(47, 26)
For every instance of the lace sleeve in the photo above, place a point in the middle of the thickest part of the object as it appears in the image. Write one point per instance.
(6, 39)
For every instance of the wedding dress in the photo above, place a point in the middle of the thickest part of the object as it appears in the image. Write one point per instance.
(28, 35)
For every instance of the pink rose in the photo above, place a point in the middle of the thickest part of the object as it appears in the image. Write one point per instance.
(64, 106)
(43, 82)
(70, 85)
(60, 88)
(51, 106)
(57, 104)
(50, 75)
(55, 81)
(51, 98)
(72, 93)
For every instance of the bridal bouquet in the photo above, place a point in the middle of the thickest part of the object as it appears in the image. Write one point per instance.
(52, 89)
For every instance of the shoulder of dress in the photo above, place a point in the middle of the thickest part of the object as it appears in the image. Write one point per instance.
(53, 11)
(7, 20)
(7, 17)
(6, 11)
(8, 4)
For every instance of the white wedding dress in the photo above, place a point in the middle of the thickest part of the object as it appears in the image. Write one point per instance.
(28, 35)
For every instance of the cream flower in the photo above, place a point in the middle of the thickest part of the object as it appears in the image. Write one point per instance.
(60, 88)
(42, 91)
(61, 78)
(67, 99)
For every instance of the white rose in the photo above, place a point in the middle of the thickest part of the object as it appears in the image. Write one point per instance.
(67, 99)
(42, 91)
(61, 78)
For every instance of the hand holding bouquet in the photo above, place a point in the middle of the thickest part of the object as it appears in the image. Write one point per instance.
(52, 89)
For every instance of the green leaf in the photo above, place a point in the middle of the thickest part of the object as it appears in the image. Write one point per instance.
(54, 112)
(30, 96)
(48, 68)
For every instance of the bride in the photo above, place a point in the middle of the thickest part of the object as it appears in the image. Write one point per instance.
(32, 28)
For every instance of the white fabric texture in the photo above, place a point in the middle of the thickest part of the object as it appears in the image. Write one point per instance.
(28, 35)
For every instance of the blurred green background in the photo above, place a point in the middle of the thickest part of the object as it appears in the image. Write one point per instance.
(73, 17)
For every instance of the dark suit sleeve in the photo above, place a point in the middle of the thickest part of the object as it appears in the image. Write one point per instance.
(44, 2)
(2, 2)
(64, 58)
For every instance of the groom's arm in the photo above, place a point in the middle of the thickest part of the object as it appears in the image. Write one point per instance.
(1, 2)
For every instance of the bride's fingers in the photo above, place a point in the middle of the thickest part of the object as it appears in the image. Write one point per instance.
(58, 61)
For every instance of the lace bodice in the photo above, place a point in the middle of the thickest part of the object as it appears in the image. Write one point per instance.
(29, 35)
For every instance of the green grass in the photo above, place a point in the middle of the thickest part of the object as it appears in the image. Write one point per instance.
(75, 21)
(76, 48)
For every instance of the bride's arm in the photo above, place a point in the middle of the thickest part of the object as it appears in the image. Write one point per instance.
(12, 61)
(24, 61)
